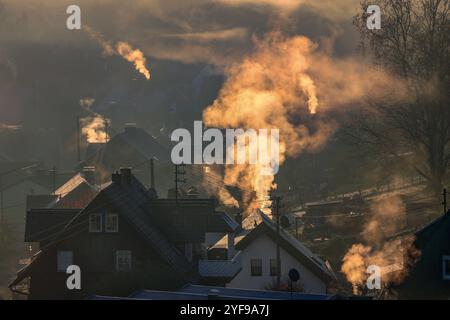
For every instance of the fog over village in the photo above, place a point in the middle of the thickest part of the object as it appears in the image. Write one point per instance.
(132, 136)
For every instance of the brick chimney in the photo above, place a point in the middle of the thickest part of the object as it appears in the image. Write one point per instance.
(89, 175)
(115, 177)
(125, 176)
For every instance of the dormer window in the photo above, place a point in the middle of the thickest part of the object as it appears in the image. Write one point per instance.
(446, 267)
(111, 222)
(95, 222)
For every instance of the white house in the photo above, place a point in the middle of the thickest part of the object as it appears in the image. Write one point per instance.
(259, 264)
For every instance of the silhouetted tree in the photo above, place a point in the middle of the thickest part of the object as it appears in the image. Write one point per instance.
(413, 43)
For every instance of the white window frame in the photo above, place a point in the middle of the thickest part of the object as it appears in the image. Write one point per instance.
(91, 227)
(61, 263)
(445, 273)
(109, 215)
(121, 254)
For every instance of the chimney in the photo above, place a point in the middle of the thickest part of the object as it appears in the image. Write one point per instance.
(115, 177)
(125, 176)
(89, 174)
(130, 127)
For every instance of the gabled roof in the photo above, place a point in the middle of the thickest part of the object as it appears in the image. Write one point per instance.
(144, 143)
(136, 138)
(425, 277)
(77, 192)
(295, 248)
(130, 199)
(71, 185)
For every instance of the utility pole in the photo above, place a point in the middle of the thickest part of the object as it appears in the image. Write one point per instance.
(152, 173)
(2, 216)
(444, 200)
(106, 123)
(276, 206)
(179, 177)
(54, 178)
(78, 140)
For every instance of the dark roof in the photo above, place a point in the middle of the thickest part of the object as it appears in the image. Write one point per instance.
(76, 192)
(128, 196)
(130, 199)
(40, 201)
(195, 292)
(186, 220)
(291, 245)
(45, 224)
(222, 222)
(425, 277)
(136, 138)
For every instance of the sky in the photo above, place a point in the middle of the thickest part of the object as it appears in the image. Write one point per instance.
(46, 69)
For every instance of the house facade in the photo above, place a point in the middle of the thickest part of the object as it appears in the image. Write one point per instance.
(429, 275)
(259, 262)
(123, 240)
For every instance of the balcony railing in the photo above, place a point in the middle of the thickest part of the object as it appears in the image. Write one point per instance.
(220, 268)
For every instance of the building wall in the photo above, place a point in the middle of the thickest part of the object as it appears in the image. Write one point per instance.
(95, 253)
(263, 247)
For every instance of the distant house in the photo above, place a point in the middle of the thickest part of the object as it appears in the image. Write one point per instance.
(123, 240)
(323, 219)
(78, 191)
(429, 277)
(259, 264)
(134, 147)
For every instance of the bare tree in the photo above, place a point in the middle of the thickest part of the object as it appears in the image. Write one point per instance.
(413, 43)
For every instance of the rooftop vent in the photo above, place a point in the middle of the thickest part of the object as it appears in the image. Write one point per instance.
(131, 126)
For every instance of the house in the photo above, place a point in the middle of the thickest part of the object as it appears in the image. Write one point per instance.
(196, 292)
(124, 239)
(133, 147)
(73, 195)
(341, 216)
(78, 191)
(259, 264)
(429, 276)
(43, 225)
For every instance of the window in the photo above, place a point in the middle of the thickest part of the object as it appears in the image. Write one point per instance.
(446, 267)
(123, 260)
(256, 267)
(112, 223)
(64, 259)
(95, 222)
(273, 267)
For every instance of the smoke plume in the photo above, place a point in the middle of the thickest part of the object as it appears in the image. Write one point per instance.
(94, 128)
(394, 257)
(123, 49)
(287, 83)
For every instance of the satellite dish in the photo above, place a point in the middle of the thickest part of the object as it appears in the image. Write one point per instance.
(294, 275)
